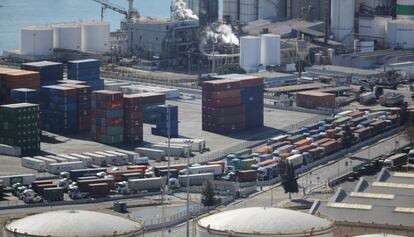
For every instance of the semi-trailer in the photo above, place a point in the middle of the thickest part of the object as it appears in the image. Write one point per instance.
(148, 184)
(87, 161)
(33, 163)
(174, 149)
(216, 170)
(395, 160)
(153, 154)
(24, 179)
(65, 167)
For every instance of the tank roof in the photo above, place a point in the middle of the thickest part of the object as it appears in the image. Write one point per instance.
(265, 221)
(71, 223)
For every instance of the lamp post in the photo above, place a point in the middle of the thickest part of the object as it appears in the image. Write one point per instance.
(188, 191)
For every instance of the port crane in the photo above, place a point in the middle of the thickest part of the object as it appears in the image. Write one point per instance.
(129, 14)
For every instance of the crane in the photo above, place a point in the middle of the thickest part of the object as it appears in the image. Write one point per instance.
(129, 14)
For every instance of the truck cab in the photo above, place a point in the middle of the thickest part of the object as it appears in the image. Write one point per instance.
(410, 156)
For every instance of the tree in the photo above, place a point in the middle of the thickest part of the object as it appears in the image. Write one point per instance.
(208, 197)
(347, 137)
(230, 69)
(288, 176)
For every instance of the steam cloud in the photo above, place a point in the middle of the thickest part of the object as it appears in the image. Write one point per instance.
(181, 12)
(221, 34)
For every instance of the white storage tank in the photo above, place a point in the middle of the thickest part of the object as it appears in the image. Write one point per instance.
(73, 223)
(250, 51)
(259, 221)
(342, 19)
(67, 36)
(95, 37)
(270, 49)
(400, 34)
(36, 40)
(405, 9)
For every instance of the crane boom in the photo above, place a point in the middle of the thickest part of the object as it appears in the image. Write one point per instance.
(108, 5)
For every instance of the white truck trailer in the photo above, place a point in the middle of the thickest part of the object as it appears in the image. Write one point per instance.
(153, 154)
(197, 145)
(174, 149)
(97, 159)
(34, 164)
(87, 161)
(24, 179)
(203, 169)
(148, 184)
(65, 167)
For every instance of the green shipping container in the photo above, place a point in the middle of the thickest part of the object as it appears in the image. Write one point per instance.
(246, 164)
(295, 138)
(243, 152)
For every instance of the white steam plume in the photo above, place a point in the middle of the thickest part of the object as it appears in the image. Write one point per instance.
(181, 12)
(222, 34)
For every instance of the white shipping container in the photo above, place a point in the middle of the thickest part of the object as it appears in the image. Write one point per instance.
(121, 157)
(112, 159)
(203, 169)
(10, 150)
(196, 144)
(131, 155)
(173, 149)
(97, 159)
(296, 160)
(146, 184)
(57, 159)
(69, 158)
(48, 161)
(152, 154)
(65, 167)
(25, 179)
(33, 163)
(87, 161)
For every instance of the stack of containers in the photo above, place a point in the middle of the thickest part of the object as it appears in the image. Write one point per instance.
(150, 102)
(14, 79)
(59, 109)
(50, 72)
(160, 116)
(87, 70)
(24, 95)
(19, 126)
(252, 100)
(84, 105)
(232, 104)
(133, 119)
(107, 117)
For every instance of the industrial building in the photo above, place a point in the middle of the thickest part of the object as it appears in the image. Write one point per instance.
(162, 41)
(354, 73)
(382, 206)
(262, 221)
(374, 59)
(73, 223)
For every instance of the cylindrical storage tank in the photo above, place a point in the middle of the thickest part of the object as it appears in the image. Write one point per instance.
(342, 19)
(317, 60)
(36, 40)
(259, 221)
(73, 223)
(405, 9)
(400, 34)
(95, 37)
(67, 36)
(270, 49)
(250, 50)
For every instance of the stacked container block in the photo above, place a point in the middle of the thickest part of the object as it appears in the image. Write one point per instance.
(107, 117)
(87, 70)
(19, 126)
(24, 95)
(232, 105)
(50, 72)
(14, 79)
(84, 105)
(59, 109)
(160, 117)
(133, 119)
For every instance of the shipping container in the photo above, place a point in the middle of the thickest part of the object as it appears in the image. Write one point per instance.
(246, 175)
(153, 154)
(40, 188)
(50, 72)
(177, 167)
(65, 167)
(202, 169)
(98, 159)
(176, 150)
(24, 179)
(296, 160)
(84, 184)
(330, 147)
(198, 145)
(99, 190)
(33, 163)
(53, 194)
(148, 184)
(69, 157)
(87, 161)
(75, 174)
(57, 158)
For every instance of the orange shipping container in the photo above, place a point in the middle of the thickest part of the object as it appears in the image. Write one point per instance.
(303, 142)
(283, 156)
(331, 133)
(262, 150)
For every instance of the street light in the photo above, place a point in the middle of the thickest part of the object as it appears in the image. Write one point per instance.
(188, 190)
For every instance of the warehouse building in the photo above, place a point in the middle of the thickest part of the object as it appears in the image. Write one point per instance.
(354, 73)
(385, 205)
(273, 79)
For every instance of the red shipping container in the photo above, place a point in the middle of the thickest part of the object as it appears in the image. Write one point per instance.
(118, 174)
(39, 188)
(330, 147)
(303, 142)
(247, 175)
(331, 133)
(83, 184)
(99, 189)
(224, 119)
(224, 110)
(304, 148)
(323, 140)
(178, 167)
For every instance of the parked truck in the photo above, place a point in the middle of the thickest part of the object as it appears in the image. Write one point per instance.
(198, 145)
(23, 179)
(395, 161)
(176, 150)
(296, 160)
(87, 161)
(33, 163)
